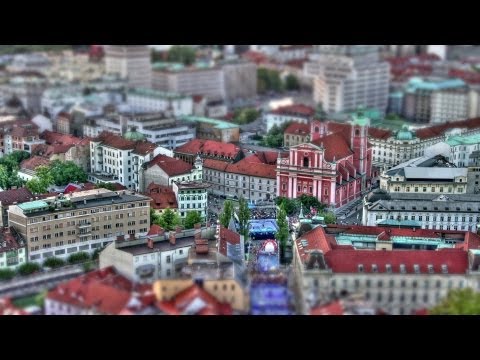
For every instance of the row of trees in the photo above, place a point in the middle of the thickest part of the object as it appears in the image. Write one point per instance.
(60, 173)
(293, 206)
(169, 219)
(270, 80)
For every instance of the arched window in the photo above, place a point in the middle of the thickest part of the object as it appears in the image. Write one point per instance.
(357, 132)
(317, 129)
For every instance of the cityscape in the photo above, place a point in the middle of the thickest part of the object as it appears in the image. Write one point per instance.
(240, 180)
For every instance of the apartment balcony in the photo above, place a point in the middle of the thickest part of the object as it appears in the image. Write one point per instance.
(84, 225)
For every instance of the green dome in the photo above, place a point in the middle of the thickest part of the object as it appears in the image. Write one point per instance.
(134, 136)
(405, 134)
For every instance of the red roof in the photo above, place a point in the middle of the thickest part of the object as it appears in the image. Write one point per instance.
(154, 230)
(8, 197)
(7, 308)
(295, 110)
(209, 148)
(336, 147)
(164, 200)
(334, 308)
(171, 166)
(246, 167)
(440, 129)
(255, 56)
(379, 133)
(347, 261)
(227, 236)
(118, 142)
(103, 290)
(316, 240)
(55, 138)
(34, 162)
(298, 129)
(194, 301)
(215, 164)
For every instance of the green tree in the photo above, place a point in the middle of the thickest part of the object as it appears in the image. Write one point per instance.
(282, 234)
(103, 185)
(291, 82)
(169, 219)
(65, 172)
(4, 177)
(192, 218)
(227, 213)
(459, 302)
(291, 206)
(243, 216)
(28, 268)
(311, 202)
(268, 80)
(182, 53)
(78, 258)
(6, 274)
(320, 112)
(329, 218)
(9, 165)
(154, 217)
(53, 262)
(36, 186)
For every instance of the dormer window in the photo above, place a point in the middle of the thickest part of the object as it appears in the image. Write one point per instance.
(416, 268)
(430, 269)
(388, 268)
(360, 268)
(402, 268)
(374, 268)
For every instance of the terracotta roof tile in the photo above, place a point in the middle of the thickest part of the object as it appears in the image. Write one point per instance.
(295, 110)
(298, 129)
(440, 129)
(194, 301)
(7, 308)
(336, 147)
(171, 166)
(8, 197)
(34, 162)
(334, 308)
(209, 148)
(215, 164)
(244, 167)
(379, 133)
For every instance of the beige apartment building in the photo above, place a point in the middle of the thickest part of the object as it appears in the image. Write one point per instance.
(80, 222)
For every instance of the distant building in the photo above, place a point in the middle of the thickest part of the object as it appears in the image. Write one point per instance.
(162, 197)
(9, 197)
(296, 113)
(462, 147)
(82, 221)
(13, 249)
(252, 178)
(208, 149)
(397, 270)
(296, 134)
(28, 166)
(164, 170)
(240, 80)
(117, 159)
(131, 62)
(19, 135)
(101, 292)
(458, 212)
(28, 89)
(159, 255)
(336, 168)
(191, 196)
(348, 76)
(213, 129)
(433, 175)
(148, 100)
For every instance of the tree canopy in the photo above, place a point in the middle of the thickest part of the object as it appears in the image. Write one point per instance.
(168, 219)
(9, 165)
(291, 82)
(459, 302)
(269, 80)
(42, 180)
(226, 214)
(182, 53)
(103, 185)
(65, 172)
(192, 218)
(243, 216)
(245, 116)
(283, 231)
(274, 138)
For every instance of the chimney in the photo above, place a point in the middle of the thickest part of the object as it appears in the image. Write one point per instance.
(150, 243)
(172, 238)
(197, 231)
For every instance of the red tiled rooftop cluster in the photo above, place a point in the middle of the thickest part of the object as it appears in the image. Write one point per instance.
(295, 110)
(209, 148)
(171, 166)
